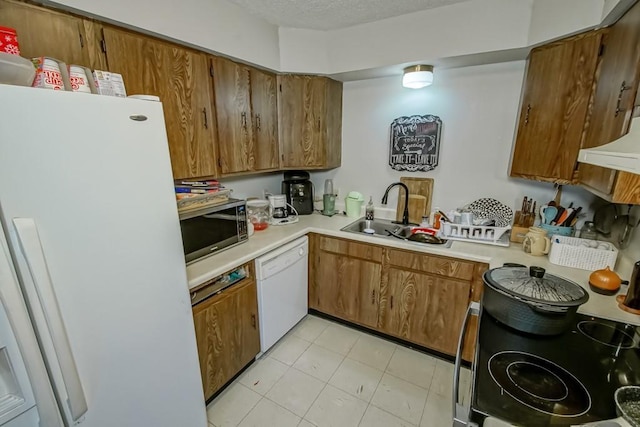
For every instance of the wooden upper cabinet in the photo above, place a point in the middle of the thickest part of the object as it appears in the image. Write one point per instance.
(44, 32)
(310, 115)
(611, 108)
(246, 110)
(180, 77)
(264, 105)
(555, 100)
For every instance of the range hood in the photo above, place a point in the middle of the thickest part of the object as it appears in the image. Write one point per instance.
(623, 154)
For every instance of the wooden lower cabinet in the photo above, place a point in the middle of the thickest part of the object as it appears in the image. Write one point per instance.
(413, 296)
(227, 334)
(348, 288)
(425, 309)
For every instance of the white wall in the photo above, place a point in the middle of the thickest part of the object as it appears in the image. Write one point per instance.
(214, 25)
(552, 18)
(478, 107)
(460, 29)
(253, 186)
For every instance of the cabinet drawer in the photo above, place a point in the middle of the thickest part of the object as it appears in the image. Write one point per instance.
(352, 249)
(448, 267)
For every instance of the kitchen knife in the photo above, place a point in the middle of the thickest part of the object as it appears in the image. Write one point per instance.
(532, 218)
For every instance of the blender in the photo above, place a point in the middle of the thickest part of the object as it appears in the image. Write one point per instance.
(328, 199)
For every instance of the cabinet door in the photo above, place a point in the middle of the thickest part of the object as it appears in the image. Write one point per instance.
(425, 309)
(227, 334)
(180, 77)
(334, 124)
(43, 32)
(265, 119)
(233, 110)
(612, 105)
(345, 287)
(554, 106)
(302, 106)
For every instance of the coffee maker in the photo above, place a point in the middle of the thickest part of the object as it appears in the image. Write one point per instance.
(299, 191)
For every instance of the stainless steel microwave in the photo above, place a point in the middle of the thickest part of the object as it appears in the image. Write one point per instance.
(209, 230)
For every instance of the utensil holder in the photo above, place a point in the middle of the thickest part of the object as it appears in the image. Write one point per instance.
(556, 230)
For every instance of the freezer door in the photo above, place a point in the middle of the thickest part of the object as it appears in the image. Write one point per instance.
(21, 364)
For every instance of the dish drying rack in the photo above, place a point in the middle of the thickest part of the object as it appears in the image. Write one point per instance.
(488, 235)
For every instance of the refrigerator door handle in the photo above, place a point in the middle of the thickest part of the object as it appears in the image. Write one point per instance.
(31, 248)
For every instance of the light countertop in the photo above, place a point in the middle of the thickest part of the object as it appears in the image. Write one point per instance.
(273, 237)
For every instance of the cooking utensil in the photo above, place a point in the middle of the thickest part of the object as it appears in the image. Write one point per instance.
(628, 404)
(572, 215)
(558, 215)
(550, 214)
(542, 209)
(564, 216)
(530, 300)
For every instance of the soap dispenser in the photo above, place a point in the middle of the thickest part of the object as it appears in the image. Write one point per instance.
(369, 210)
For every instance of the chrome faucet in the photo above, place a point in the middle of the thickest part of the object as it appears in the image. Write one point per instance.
(405, 213)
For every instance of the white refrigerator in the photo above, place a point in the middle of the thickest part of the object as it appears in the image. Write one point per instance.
(95, 315)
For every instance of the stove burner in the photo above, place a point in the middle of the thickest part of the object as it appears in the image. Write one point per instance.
(612, 336)
(539, 384)
(537, 381)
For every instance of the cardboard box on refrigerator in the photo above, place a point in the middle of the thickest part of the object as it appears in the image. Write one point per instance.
(110, 84)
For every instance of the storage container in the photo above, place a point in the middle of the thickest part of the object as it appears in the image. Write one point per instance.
(580, 253)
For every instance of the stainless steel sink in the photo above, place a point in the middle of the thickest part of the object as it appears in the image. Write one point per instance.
(380, 227)
(386, 229)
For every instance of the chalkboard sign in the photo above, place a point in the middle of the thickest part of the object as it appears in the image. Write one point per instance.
(415, 143)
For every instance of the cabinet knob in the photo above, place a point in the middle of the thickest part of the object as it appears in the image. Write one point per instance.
(258, 121)
(526, 117)
(253, 321)
(244, 120)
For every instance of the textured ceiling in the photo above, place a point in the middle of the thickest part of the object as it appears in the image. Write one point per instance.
(333, 14)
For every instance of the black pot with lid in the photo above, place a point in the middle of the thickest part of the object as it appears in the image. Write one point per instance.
(531, 300)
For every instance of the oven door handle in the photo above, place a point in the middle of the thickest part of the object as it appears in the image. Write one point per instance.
(460, 413)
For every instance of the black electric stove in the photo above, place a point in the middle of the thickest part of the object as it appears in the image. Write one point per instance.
(561, 380)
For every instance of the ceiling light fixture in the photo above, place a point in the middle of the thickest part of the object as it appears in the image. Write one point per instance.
(417, 76)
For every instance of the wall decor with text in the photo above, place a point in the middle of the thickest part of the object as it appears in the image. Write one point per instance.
(415, 143)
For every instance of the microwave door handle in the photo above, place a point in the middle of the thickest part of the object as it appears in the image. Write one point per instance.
(460, 413)
(31, 249)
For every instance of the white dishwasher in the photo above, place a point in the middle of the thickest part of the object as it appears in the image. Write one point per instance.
(282, 290)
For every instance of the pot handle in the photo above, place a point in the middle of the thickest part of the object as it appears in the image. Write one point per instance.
(460, 413)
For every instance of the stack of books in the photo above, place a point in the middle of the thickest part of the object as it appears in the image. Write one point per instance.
(189, 189)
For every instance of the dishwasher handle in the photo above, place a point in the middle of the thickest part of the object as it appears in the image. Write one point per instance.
(460, 413)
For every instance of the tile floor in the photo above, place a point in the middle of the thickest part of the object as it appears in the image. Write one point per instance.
(328, 375)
